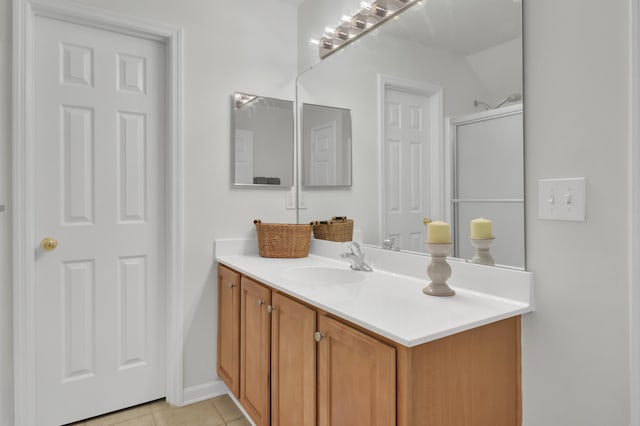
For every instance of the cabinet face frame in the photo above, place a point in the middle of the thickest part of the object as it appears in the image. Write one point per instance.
(255, 358)
(228, 350)
(293, 362)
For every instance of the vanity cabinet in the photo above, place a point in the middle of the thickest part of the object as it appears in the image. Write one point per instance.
(290, 350)
(277, 357)
(356, 377)
(255, 326)
(228, 351)
(293, 362)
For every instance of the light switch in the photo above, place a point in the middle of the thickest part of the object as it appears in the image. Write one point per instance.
(562, 199)
(291, 199)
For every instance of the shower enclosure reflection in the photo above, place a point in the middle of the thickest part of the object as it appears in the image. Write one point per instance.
(486, 153)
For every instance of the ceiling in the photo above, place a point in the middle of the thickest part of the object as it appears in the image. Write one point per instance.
(293, 2)
(462, 26)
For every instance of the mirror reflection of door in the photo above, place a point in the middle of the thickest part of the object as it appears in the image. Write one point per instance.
(406, 153)
(244, 156)
(326, 146)
(323, 154)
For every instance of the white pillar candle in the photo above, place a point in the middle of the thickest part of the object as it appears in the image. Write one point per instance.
(438, 232)
(481, 229)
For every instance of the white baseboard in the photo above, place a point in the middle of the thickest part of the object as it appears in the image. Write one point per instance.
(208, 390)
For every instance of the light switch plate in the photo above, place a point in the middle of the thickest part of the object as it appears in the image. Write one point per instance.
(291, 199)
(562, 199)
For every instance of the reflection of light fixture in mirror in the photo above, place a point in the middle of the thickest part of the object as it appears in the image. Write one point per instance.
(371, 14)
(241, 99)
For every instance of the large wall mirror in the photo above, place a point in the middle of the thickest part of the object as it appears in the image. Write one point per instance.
(436, 116)
(262, 141)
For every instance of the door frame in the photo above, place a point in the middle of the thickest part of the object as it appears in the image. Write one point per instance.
(436, 114)
(24, 241)
(634, 213)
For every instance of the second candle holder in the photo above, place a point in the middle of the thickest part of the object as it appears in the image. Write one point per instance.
(439, 270)
(483, 255)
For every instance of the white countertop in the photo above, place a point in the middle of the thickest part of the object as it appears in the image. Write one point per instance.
(388, 303)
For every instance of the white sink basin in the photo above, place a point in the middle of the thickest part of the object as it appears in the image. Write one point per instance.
(324, 274)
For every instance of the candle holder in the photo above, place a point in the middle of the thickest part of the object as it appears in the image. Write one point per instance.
(439, 270)
(482, 246)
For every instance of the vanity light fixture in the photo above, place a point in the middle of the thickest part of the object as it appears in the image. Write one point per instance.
(371, 14)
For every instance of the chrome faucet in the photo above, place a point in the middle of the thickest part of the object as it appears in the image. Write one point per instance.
(356, 257)
(390, 244)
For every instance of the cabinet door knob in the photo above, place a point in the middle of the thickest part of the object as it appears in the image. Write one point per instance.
(231, 285)
(260, 302)
(318, 336)
(270, 308)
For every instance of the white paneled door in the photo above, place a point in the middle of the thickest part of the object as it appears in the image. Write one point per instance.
(99, 185)
(407, 157)
(323, 154)
(244, 157)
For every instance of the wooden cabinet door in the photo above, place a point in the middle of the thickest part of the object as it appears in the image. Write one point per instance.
(293, 363)
(356, 377)
(254, 350)
(228, 359)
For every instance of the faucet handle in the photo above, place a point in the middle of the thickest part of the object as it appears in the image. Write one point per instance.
(389, 243)
(355, 248)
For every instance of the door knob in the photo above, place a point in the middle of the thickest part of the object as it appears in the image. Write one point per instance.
(48, 244)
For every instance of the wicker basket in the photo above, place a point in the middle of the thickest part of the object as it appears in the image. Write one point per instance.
(339, 228)
(283, 240)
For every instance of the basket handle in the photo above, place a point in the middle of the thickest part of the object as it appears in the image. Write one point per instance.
(257, 221)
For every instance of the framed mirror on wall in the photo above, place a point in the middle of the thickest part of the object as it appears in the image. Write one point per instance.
(262, 141)
(440, 63)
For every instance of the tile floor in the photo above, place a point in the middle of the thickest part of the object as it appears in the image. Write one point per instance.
(219, 411)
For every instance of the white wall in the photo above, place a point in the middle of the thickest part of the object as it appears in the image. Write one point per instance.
(576, 345)
(225, 51)
(499, 68)
(6, 302)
